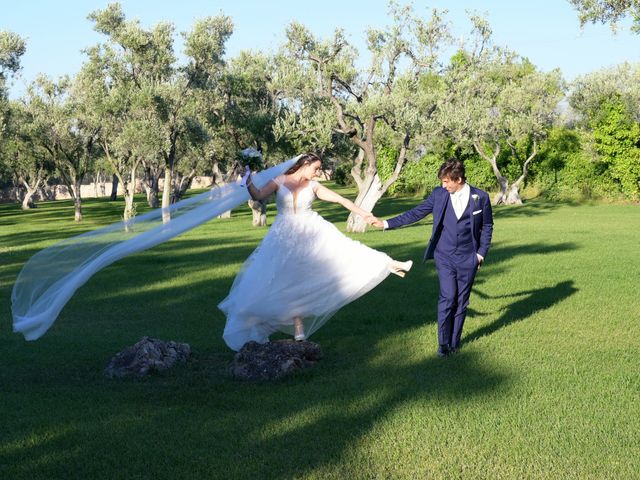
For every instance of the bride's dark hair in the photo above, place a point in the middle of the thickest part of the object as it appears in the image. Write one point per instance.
(305, 159)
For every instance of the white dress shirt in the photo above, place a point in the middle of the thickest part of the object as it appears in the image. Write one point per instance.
(460, 200)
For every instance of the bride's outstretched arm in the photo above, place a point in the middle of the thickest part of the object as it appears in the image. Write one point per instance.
(323, 193)
(261, 193)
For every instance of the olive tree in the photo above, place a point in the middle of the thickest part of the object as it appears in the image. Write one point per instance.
(27, 160)
(57, 127)
(144, 101)
(12, 47)
(496, 101)
(608, 11)
(325, 94)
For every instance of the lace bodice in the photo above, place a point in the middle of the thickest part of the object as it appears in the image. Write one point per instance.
(303, 198)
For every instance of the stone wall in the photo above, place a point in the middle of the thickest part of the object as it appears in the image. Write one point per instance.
(87, 190)
(99, 189)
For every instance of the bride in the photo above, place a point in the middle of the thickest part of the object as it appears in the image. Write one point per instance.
(305, 269)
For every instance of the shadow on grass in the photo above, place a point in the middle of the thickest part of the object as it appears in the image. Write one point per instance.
(500, 253)
(531, 208)
(532, 301)
(182, 434)
(216, 428)
(75, 415)
(282, 430)
(62, 414)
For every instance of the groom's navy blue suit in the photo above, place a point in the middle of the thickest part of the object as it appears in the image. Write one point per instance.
(453, 245)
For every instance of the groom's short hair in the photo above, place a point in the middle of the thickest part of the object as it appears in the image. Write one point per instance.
(453, 169)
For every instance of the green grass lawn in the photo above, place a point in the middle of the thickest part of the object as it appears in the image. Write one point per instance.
(545, 386)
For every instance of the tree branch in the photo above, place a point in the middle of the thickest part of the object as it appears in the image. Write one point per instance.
(356, 170)
(346, 129)
(399, 163)
(491, 159)
(347, 87)
(525, 167)
(356, 119)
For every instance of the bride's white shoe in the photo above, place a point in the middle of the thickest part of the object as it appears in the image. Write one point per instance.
(400, 268)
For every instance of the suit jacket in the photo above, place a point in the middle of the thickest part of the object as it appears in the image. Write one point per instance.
(481, 218)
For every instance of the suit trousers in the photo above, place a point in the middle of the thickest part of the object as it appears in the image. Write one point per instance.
(456, 274)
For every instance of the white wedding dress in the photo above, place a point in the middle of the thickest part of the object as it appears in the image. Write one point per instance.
(304, 268)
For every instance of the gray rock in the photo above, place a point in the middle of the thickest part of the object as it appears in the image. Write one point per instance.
(147, 356)
(273, 360)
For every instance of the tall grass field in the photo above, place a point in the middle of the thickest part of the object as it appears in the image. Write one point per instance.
(546, 384)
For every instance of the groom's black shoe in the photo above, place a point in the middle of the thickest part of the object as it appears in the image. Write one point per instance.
(443, 350)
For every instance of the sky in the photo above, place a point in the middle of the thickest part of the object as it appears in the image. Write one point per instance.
(545, 31)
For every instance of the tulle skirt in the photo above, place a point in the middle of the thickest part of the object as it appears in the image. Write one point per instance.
(304, 268)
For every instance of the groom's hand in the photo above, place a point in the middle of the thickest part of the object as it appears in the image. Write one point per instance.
(480, 259)
(376, 222)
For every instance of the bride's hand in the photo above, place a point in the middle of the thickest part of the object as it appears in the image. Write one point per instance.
(370, 218)
(246, 177)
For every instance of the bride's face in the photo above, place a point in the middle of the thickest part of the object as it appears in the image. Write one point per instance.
(310, 170)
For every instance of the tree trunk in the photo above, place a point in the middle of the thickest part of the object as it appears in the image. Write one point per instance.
(129, 187)
(169, 172)
(371, 188)
(150, 182)
(493, 161)
(166, 195)
(259, 210)
(95, 184)
(98, 185)
(218, 180)
(114, 188)
(181, 187)
(27, 201)
(77, 200)
(216, 174)
(129, 209)
(513, 197)
(128, 183)
(103, 188)
(507, 195)
(371, 191)
(230, 176)
(152, 196)
(366, 186)
(501, 197)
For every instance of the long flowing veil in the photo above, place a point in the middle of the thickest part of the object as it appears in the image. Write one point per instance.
(51, 277)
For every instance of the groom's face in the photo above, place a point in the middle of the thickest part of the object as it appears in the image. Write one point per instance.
(452, 186)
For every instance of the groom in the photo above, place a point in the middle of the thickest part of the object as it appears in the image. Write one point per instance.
(462, 229)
